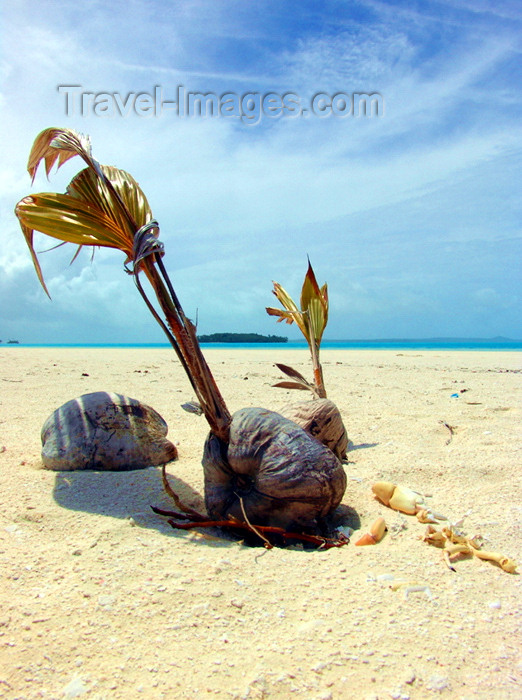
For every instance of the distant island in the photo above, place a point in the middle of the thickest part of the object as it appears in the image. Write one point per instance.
(241, 338)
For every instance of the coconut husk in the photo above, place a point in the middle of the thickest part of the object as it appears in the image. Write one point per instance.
(274, 470)
(322, 419)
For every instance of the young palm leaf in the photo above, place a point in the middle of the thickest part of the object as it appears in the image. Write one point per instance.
(104, 206)
(298, 381)
(311, 319)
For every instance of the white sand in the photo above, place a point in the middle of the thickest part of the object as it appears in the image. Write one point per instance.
(100, 598)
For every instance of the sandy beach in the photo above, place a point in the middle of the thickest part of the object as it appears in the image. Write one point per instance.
(100, 598)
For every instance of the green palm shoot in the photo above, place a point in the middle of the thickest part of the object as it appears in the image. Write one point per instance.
(311, 320)
(105, 206)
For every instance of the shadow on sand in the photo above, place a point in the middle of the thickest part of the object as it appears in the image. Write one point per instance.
(124, 495)
(131, 494)
(362, 446)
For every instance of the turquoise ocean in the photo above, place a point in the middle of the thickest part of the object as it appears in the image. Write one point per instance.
(494, 344)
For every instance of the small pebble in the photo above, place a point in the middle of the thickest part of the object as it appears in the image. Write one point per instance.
(74, 688)
(106, 600)
(410, 677)
(437, 683)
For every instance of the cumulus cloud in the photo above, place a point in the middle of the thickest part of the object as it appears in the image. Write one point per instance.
(401, 214)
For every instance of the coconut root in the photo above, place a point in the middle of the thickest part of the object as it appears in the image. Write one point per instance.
(235, 525)
(189, 519)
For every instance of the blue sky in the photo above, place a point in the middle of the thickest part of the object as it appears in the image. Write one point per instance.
(412, 217)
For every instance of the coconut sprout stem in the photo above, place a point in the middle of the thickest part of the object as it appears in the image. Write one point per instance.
(182, 336)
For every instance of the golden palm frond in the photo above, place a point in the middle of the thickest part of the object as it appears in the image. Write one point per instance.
(314, 305)
(104, 206)
(60, 145)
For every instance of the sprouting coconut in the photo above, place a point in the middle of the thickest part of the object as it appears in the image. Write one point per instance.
(262, 470)
(320, 417)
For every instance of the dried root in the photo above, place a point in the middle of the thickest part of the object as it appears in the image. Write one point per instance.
(189, 519)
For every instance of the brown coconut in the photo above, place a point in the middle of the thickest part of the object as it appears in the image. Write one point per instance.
(322, 419)
(274, 470)
(105, 431)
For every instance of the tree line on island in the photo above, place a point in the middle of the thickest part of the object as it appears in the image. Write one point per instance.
(241, 338)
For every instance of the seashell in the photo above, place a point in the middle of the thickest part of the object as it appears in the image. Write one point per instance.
(105, 431)
(279, 473)
(405, 500)
(322, 419)
(383, 490)
(365, 540)
(504, 562)
(375, 535)
(378, 529)
(398, 497)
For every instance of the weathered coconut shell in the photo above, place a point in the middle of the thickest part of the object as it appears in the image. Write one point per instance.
(105, 431)
(322, 419)
(283, 475)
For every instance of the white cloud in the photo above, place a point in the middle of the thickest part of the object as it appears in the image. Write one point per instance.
(239, 205)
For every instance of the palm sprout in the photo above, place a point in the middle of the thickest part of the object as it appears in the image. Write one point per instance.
(105, 206)
(259, 466)
(311, 320)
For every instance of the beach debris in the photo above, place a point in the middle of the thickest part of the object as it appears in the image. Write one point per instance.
(375, 534)
(405, 500)
(105, 431)
(192, 407)
(345, 530)
(451, 429)
(418, 588)
(322, 419)
(399, 497)
(75, 688)
(426, 515)
(453, 542)
(409, 587)
(438, 683)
